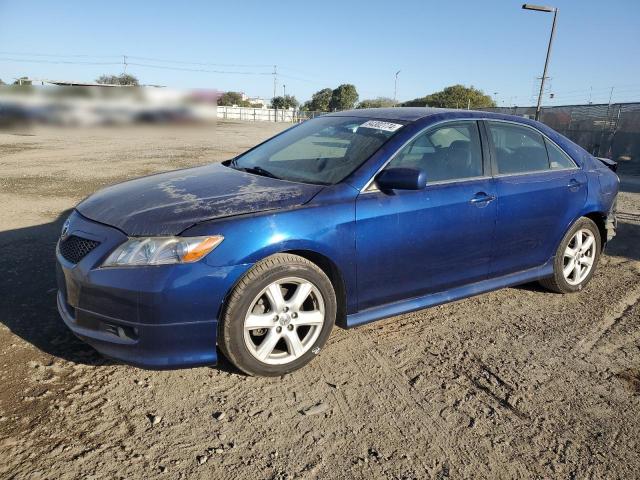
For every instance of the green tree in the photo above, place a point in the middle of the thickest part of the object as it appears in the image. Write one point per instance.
(319, 101)
(122, 79)
(455, 96)
(344, 97)
(229, 99)
(380, 102)
(288, 101)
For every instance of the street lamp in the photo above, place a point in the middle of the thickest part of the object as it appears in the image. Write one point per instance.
(395, 90)
(539, 8)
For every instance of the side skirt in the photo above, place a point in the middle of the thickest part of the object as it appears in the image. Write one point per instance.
(433, 299)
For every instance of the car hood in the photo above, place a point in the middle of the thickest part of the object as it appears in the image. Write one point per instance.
(169, 203)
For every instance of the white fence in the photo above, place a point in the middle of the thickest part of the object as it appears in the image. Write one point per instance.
(264, 114)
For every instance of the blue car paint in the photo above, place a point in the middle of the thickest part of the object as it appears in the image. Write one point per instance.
(168, 203)
(324, 226)
(395, 252)
(422, 262)
(529, 223)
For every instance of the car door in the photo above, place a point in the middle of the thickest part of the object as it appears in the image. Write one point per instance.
(540, 192)
(411, 243)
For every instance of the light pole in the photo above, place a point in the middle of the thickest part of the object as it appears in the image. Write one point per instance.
(395, 90)
(539, 8)
(284, 90)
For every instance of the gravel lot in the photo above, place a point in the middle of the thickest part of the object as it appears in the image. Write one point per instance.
(518, 383)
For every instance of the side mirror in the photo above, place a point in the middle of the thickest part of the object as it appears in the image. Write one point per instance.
(401, 179)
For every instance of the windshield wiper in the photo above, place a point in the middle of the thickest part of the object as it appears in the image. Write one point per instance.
(258, 171)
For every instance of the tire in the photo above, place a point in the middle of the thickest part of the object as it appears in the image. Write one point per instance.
(564, 260)
(255, 314)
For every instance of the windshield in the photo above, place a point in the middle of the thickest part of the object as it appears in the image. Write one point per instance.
(324, 150)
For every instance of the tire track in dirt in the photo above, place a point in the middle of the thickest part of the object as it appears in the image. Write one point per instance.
(411, 399)
(402, 422)
(343, 407)
(616, 314)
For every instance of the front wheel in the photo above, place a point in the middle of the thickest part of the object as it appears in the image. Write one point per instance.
(278, 316)
(576, 258)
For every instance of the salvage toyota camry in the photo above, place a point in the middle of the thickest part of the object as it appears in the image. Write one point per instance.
(344, 219)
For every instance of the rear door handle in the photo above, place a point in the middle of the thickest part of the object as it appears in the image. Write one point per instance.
(481, 199)
(574, 184)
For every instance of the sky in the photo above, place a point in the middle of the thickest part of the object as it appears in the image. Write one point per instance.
(493, 45)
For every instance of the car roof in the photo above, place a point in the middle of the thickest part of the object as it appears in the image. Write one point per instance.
(412, 114)
(408, 114)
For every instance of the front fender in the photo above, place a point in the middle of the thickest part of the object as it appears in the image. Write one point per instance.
(326, 226)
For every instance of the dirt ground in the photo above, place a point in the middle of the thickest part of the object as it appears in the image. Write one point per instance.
(519, 383)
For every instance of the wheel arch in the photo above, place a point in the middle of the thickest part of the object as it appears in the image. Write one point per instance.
(599, 219)
(332, 271)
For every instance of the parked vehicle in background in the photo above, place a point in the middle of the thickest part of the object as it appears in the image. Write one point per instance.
(347, 218)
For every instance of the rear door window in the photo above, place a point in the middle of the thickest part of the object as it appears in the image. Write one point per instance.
(518, 149)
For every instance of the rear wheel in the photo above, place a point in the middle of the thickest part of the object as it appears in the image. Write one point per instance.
(576, 258)
(278, 317)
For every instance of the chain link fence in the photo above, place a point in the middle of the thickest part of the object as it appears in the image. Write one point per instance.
(604, 130)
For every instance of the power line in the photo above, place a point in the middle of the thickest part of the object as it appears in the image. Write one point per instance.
(593, 94)
(210, 64)
(58, 55)
(58, 62)
(185, 69)
(152, 59)
(126, 63)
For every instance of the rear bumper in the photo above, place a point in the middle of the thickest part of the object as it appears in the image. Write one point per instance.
(154, 317)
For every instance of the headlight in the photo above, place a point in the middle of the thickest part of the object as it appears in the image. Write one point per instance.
(162, 250)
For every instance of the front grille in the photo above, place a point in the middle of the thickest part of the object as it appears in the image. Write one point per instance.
(73, 249)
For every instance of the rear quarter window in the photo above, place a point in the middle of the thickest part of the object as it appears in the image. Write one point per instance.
(558, 160)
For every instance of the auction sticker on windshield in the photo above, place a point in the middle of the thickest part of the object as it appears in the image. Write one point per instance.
(378, 125)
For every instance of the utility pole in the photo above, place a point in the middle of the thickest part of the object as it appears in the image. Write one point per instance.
(395, 90)
(124, 63)
(275, 80)
(606, 123)
(546, 62)
(284, 90)
(469, 103)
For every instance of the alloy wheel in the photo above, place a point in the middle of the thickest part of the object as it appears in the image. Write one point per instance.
(284, 321)
(579, 257)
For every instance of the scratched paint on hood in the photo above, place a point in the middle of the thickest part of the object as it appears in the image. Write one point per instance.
(168, 203)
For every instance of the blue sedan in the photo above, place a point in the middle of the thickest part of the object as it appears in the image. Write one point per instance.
(345, 219)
